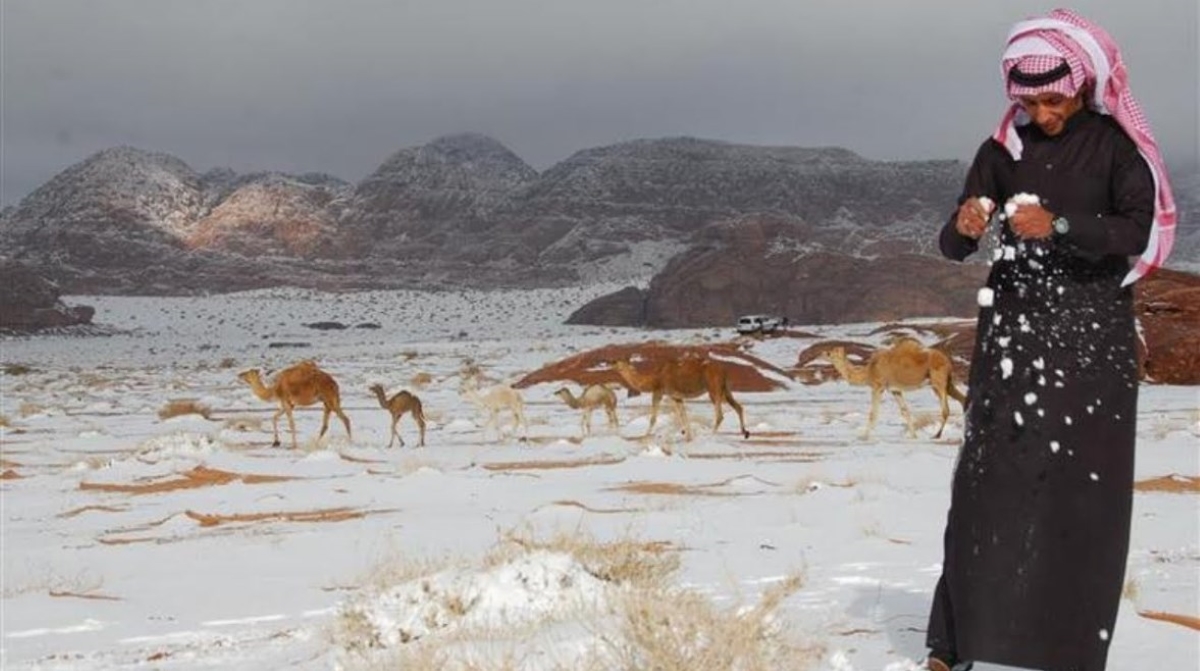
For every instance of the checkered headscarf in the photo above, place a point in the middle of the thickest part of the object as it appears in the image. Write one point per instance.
(1061, 53)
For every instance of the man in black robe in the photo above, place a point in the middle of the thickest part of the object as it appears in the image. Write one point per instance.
(1038, 529)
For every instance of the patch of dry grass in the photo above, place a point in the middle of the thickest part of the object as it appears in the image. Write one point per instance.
(184, 406)
(680, 630)
(626, 561)
(28, 408)
(15, 369)
(649, 623)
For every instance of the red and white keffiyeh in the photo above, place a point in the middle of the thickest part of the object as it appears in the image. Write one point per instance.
(1039, 45)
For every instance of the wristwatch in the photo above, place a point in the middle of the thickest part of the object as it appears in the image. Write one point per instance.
(1060, 225)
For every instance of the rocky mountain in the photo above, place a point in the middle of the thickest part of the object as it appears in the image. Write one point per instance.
(428, 200)
(460, 210)
(272, 215)
(464, 210)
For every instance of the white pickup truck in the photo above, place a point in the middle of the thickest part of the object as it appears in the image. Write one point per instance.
(759, 323)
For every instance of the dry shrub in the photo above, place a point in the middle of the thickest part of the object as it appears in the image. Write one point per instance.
(651, 623)
(95, 381)
(16, 369)
(227, 362)
(407, 355)
(927, 420)
(396, 568)
(184, 406)
(678, 630)
(28, 408)
(4, 421)
(1131, 591)
(626, 561)
(421, 380)
(245, 424)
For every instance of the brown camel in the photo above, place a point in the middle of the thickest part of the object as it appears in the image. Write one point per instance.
(594, 396)
(680, 379)
(298, 385)
(400, 403)
(905, 366)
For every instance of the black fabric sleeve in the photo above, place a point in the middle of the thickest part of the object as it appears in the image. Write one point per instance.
(1125, 229)
(981, 181)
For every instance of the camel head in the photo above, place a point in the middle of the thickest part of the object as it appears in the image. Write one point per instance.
(376, 388)
(251, 377)
(833, 354)
(564, 393)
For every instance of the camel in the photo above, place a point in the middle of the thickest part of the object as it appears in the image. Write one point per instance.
(593, 396)
(681, 379)
(298, 385)
(400, 403)
(904, 366)
(494, 399)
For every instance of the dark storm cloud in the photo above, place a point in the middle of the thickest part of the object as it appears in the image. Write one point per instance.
(336, 86)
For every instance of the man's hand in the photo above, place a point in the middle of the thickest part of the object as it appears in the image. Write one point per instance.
(972, 218)
(1031, 222)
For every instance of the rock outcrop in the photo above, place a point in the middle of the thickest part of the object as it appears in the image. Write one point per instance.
(1168, 309)
(767, 265)
(30, 303)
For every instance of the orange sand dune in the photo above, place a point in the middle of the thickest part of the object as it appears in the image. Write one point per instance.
(1183, 620)
(326, 515)
(1174, 483)
(542, 465)
(79, 511)
(200, 476)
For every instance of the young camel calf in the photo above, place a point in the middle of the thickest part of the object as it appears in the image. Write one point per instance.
(298, 385)
(400, 403)
(681, 379)
(494, 399)
(905, 366)
(594, 396)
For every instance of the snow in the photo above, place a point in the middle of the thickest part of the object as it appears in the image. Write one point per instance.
(132, 541)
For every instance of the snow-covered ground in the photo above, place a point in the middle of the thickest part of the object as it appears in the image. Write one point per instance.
(134, 541)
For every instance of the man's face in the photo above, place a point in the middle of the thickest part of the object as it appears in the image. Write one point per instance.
(1050, 111)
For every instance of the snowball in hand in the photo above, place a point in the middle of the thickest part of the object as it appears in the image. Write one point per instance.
(987, 203)
(1019, 199)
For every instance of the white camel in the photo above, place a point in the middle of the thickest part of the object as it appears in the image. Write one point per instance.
(494, 399)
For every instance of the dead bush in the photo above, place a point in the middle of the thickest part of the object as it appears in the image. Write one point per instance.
(184, 406)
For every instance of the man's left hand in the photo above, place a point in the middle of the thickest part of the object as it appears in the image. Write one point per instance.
(1031, 222)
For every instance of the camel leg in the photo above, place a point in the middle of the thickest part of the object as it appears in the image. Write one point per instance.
(718, 411)
(324, 422)
(519, 415)
(275, 424)
(654, 400)
(494, 421)
(939, 390)
(876, 395)
(737, 407)
(346, 423)
(421, 424)
(587, 421)
(396, 434)
(908, 421)
(612, 418)
(682, 416)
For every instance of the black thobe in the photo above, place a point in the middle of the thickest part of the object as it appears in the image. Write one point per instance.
(1038, 529)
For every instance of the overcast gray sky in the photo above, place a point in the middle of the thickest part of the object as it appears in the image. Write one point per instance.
(338, 85)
